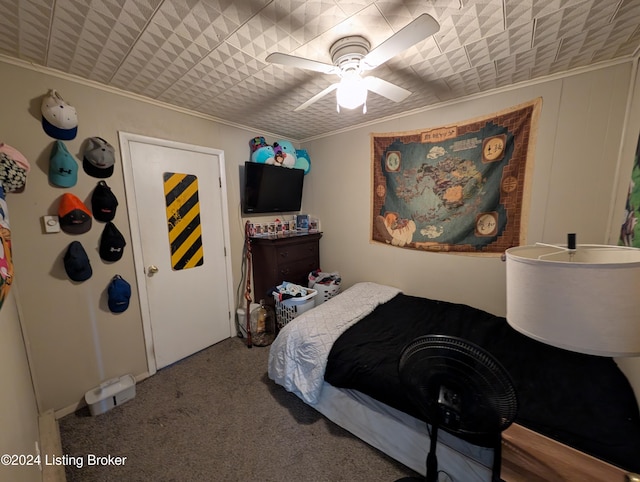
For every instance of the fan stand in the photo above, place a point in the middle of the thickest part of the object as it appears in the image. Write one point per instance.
(432, 460)
(436, 355)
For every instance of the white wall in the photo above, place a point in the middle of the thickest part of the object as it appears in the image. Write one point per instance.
(576, 155)
(574, 183)
(18, 410)
(76, 343)
(630, 139)
(582, 133)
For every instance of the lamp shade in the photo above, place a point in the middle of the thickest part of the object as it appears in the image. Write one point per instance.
(585, 300)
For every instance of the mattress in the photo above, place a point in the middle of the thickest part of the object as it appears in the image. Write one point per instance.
(401, 436)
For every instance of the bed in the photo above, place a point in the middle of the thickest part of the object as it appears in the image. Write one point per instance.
(577, 413)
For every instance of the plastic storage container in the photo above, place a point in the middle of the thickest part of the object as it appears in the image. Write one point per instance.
(287, 310)
(111, 393)
(325, 292)
(242, 320)
(327, 285)
(263, 325)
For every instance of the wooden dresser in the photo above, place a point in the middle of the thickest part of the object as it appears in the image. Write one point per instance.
(288, 258)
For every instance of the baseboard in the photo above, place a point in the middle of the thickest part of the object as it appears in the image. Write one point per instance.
(63, 412)
(50, 445)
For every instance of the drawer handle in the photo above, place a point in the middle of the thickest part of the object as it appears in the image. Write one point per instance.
(285, 271)
(284, 254)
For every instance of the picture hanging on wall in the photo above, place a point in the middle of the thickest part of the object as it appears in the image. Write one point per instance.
(459, 188)
(630, 231)
(183, 220)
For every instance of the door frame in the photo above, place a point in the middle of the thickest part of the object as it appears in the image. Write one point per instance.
(132, 209)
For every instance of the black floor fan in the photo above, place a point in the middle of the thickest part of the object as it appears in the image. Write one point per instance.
(460, 388)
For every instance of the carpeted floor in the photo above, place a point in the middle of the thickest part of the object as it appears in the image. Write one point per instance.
(216, 416)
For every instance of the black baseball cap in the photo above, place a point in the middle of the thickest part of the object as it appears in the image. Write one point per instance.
(76, 262)
(103, 202)
(112, 243)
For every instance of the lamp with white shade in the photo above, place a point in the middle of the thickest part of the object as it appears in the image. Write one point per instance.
(583, 298)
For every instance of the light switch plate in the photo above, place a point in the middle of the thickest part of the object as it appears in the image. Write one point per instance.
(51, 224)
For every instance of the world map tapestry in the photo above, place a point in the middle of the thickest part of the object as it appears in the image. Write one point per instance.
(459, 188)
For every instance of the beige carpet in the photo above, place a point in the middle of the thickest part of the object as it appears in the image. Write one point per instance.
(216, 416)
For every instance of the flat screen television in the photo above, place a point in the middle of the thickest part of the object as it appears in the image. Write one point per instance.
(271, 189)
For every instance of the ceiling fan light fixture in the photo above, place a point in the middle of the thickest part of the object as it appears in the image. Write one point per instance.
(351, 56)
(352, 92)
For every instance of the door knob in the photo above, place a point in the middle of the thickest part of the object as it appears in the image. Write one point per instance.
(152, 269)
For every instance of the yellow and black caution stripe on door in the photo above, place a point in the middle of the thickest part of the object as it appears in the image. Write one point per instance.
(183, 220)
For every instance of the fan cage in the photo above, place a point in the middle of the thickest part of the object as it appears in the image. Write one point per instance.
(431, 361)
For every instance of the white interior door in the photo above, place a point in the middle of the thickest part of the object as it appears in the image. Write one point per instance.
(183, 271)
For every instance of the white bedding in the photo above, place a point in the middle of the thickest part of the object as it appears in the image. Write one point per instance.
(298, 356)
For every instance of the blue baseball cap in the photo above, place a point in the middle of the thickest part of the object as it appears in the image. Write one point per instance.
(119, 292)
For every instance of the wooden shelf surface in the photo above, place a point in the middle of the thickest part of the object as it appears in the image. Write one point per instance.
(528, 456)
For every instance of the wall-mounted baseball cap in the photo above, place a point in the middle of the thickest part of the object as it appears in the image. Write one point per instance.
(98, 158)
(63, 168)
(74, 216)
(119, 294)
(4, 210)
(59, 119)
(103, 202)
(12, 175)
(16, 155)
(112, 243)
(76, 262)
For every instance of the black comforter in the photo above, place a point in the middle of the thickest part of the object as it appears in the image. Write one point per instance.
(581, 400)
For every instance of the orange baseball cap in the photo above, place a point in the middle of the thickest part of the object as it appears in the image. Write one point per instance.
(74, 216)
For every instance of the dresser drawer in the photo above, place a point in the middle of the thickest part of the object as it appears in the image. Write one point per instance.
(296, 252)
(297, 272)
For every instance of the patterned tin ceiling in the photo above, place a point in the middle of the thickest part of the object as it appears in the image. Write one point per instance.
(209, 55)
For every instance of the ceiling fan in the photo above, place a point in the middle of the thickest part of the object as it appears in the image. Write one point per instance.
(351, 57)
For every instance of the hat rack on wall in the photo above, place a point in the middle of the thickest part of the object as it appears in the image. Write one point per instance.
(60, 122)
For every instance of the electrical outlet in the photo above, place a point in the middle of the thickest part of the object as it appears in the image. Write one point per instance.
(51, 224)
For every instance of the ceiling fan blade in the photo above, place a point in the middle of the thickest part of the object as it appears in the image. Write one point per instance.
(302, 63)
(317, 97)
(386, 89)
(419, 29)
